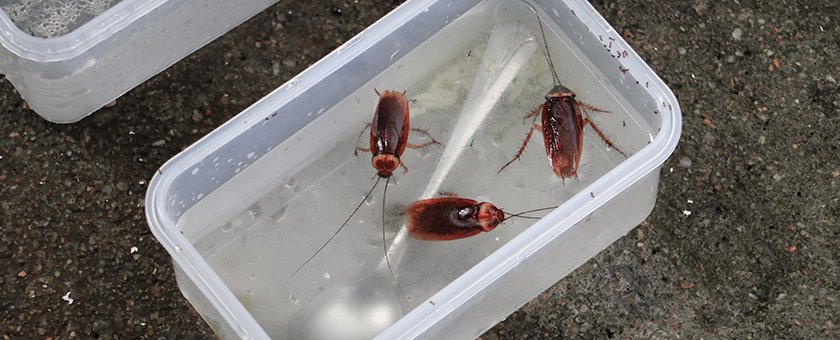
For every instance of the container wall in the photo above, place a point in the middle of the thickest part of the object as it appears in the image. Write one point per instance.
(202, 305)
(65, 87)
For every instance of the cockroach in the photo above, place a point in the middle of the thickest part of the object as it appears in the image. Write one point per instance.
(453, 218)
(389, 131)
(562, 123)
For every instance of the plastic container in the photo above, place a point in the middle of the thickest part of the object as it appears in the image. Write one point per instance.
(243, 208)
(67, 77)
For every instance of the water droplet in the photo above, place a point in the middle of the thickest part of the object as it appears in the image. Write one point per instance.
(327, 276)
(370, 200)
(361, 221)
(278, 215)
(249, 292)
(253, 276)
(394, 55)
(292, 183)
(178, 249)
(519, 185)
(293, 299)
(251, 155)
(200, 196)
(227, 227)
(255, 211)
(250, 262)
(195, 171)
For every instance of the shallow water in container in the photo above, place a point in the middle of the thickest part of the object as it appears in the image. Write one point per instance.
(52, 18)
(257, 244)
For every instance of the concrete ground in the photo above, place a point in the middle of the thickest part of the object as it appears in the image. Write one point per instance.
(758, 168)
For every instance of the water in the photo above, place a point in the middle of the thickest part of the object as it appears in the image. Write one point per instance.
(255, 253)
(52, 18)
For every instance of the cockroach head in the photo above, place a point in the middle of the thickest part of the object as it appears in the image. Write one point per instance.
(385, 164)
(489, 216)
(559, 92)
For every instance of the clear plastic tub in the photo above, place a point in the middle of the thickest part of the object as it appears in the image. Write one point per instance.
(67, 77)
(243, 208)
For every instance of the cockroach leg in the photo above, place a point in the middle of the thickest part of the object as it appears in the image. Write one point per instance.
(421, 145)
(402, 165)
(534, 112)
(604, 138)
(356, 152)
(362, 133)
(415, 146)
(522, 148)
(589, 107)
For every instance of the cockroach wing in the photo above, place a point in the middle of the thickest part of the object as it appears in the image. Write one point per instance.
(389, 131)
(442, 219)
(562, 126)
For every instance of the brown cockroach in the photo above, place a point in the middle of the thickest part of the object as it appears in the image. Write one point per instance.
(389, 131)
(453, 218)
(562, 123)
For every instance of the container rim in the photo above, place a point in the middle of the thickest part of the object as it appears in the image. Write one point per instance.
(77, 41)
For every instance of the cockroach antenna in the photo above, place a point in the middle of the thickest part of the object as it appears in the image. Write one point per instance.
(545, 43)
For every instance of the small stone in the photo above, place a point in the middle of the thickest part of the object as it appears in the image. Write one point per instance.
(685, 162)
(791, 248)
(196, 116)
(777, 177)
(709, 138)
(830, 78)
(111, 104)
(155, 290)
(275, 68)
(730, 59)
(681, 51)
(22, 274)
(736, 34)
(159, 142)
(761, 139)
